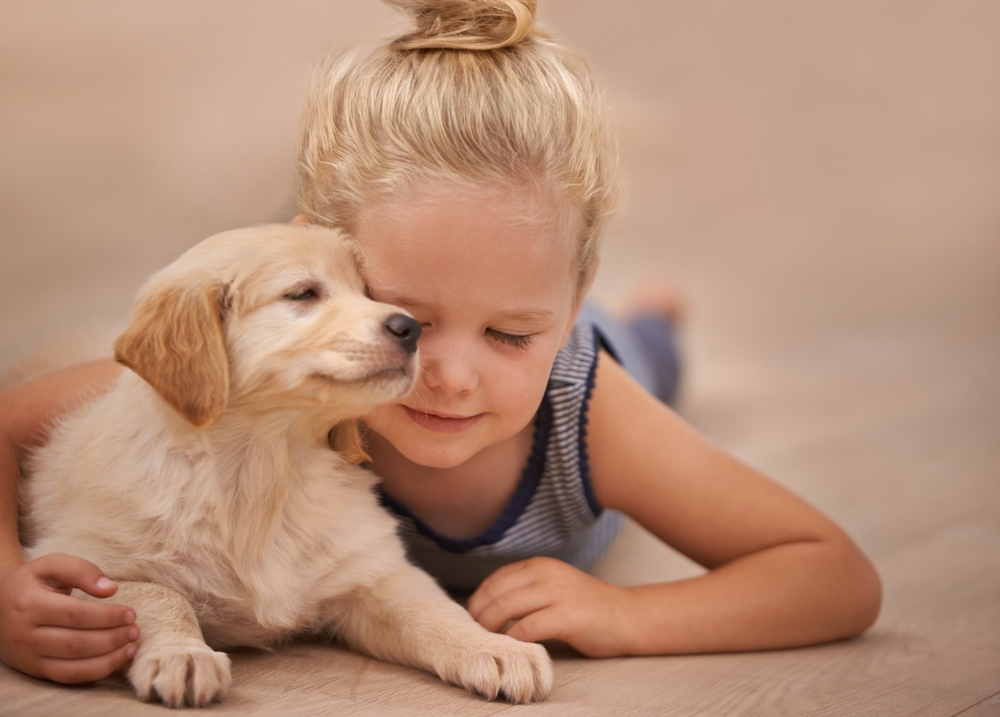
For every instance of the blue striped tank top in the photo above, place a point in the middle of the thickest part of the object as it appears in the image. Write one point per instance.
(553, 511)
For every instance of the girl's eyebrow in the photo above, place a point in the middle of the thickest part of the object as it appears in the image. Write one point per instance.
(527, 315)
(398, 300)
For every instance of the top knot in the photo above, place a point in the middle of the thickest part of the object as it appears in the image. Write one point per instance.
(466, 24)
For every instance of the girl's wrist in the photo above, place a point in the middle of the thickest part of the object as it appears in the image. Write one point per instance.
(10, 560)
(647, 630)
(10, 550)
(634, 621)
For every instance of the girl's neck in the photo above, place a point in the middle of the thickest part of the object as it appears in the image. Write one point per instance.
(461, 501)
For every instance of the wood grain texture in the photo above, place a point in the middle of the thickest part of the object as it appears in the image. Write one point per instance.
(990, 707)
(821, 179)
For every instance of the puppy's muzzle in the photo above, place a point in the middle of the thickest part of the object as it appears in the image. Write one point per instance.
(405, 330)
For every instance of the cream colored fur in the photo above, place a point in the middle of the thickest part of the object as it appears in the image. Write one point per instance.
(206, 486)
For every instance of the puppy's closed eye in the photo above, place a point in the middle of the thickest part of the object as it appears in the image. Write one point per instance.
(303, 293)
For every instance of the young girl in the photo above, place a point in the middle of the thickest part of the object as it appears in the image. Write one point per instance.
(471, 161)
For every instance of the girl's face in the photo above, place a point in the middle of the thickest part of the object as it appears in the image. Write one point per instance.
(489, 274)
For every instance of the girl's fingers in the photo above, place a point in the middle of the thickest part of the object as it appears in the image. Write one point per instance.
(513, 605)
(88, 669)
(508, 569)
(508, 578)
(57, 610)
(64, 643)
(538, 626)
(65, 572)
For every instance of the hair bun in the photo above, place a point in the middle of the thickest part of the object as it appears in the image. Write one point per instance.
(466, 24)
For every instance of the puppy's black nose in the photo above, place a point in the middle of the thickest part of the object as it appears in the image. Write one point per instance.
(405, 329)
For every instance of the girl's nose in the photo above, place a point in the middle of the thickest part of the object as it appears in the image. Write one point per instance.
(447, 367)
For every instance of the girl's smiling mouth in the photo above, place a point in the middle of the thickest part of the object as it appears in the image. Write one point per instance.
(442, 424)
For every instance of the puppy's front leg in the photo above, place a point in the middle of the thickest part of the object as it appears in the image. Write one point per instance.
(407, 619)
(173, 660)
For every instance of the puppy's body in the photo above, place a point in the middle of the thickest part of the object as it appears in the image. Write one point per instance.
(249, 529)
(201, 511)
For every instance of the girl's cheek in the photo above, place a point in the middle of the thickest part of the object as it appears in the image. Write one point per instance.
(520, 371)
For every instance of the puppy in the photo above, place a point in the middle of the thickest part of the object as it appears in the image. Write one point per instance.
(205, 484)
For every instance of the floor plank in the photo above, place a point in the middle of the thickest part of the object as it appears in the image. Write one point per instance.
(990, 707)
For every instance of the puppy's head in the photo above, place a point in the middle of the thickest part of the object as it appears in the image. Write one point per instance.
(269, 320)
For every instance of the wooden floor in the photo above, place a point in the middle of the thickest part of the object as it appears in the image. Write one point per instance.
(822, 180)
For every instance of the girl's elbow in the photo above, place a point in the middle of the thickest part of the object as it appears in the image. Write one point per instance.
(863, 588)
(871, 603)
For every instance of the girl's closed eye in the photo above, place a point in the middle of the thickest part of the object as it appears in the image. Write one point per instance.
(521, 341)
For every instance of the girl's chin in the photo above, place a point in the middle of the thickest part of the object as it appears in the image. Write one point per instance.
(437, 459)
(420, 447)
(449, 453)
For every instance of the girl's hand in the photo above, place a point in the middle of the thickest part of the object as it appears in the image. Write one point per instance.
(45, 632)
(552, 600)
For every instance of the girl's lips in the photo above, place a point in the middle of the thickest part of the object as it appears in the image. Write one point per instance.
(441, 424)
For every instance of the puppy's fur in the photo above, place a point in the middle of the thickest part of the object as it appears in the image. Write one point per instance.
(205, 484)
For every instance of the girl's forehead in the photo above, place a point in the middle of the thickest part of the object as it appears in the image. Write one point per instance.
(511, 246)
(529, 215)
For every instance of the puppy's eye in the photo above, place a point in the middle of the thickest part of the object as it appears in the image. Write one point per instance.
(302, 294)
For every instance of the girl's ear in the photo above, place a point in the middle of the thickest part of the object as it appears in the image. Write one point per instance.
(175, 343)
(345, 438)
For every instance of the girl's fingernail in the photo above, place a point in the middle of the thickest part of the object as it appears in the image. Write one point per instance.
(133, 634)
(129, 617)
(105, 583)
(130, 652)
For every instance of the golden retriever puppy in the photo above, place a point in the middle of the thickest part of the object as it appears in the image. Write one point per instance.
(205, 484)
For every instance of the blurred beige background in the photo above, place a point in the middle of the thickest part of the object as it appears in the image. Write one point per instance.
(821, 179)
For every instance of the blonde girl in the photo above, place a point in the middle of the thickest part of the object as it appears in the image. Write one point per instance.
(470, 158)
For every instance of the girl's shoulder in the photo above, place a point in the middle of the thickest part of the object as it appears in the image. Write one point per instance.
(636, 443)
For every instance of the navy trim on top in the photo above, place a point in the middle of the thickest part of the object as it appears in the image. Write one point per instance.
(530, 477)
(603, 342)
(588, 488)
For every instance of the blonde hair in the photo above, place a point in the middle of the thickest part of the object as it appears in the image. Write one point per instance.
(475, 92)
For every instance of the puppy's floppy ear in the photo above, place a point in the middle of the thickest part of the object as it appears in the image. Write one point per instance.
(175, 343)
(345, 438)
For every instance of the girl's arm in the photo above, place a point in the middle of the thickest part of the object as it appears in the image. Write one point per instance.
(43, 631)
(780, 573)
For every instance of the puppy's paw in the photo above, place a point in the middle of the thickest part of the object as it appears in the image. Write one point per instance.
(500, 665)
(180, 673)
